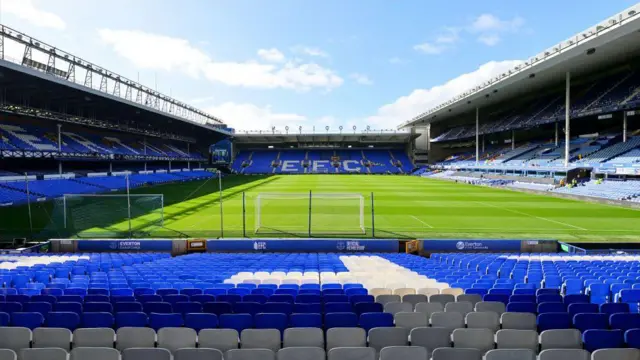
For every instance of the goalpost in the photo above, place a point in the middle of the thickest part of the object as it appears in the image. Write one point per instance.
(112, 213)
(309, 213)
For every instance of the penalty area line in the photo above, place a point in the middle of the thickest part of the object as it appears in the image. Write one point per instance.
(532, 216)
(422, 222)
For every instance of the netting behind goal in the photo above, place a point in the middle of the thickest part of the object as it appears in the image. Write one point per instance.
(309, 213)
(109, 215)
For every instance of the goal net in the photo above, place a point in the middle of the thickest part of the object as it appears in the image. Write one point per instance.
(112, 215)
(309, 213)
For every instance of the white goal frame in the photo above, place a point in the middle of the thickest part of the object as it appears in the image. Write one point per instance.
(310, 196)
(124, 196)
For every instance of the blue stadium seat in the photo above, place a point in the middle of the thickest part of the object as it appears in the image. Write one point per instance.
(496, 297)
(361, 299)
(547, 307)
(127, 307)
(217, 308)
(271, 321)
(523, 298)
(287, 291)
(624, 321)
(29, 320)
(315, 308)
(10, 307)
(237, 322)
(278, 307)
(355, 291)
(71, 298)
(613, 308)
(172, 299)
(229, 298)
(338, 307)
(602, 339)
(522, 307)
(369, 321)
(44, 298)
(5, 319)
(578, 308)
(308, 299)
(199, 321)
(306, 320)
(367, 307)
(96, 298)
(239, 291)
(97, 320)
(256, 298)
(282, 298)
(553, 320)
(340, 319)
(247, 308)
(167, 291)
(22, 299)
(68, 307)
(121, 292)
(553, 298)
(187, 307)
(191, 292)
(63, 319)
(40, 307)
(632, 338)
(326, 292)
(599, 293)
(158, 321)
(157, 307)
(591, 321)
(131, 319)
(335, 298)
(204, 298)
(123, 298)
(215, 292)
(576, 299)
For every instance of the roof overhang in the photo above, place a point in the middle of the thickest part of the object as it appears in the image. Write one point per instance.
(614, 40)
(399, 137)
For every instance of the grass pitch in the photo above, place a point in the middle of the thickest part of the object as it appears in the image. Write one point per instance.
(404, 207)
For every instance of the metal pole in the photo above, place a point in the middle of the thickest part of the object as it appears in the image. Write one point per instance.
(221, 216)
(513, 139)
(59, 137)
(556, 138)
(26, 179)
(373, 218)
(624, 126)
(244, 212)
(64, 210)
(477, 135)
(128, 204)
(567, 114)
(428, 137)
(162, 209)
(309, 213)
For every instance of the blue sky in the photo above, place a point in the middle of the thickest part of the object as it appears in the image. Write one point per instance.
(258, 64)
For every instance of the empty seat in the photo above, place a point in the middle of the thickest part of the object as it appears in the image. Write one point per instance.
(43, 354)
(250, 354)
(159, 321)
(383, 337)
(483, 320)
(481, 339)
(197, 354)
(91, 353)
(15, 338)
(403, 352)
(8, 354)
(429, 308)
(261, 339)
(430, 338)
(617, 354)
(602, 339)
(346, 337)
(146, 354)
(341, 319)
(561, 339)
(495, 306)
(29, 320)
(386, 298)
(52, 337)
(199, 321)
(303, 337)
(133, 337)
(448, 320)
(456, 354)
(564, 354)
(351, 353)
(585, 322)
(518, 321)
(463, 307)
(414, 299)
(521, 307)
(517, 339)
(221, 339)
(442, 299)
(510, 354)
(237, 322)
(174, 338)
(410, 320)
(96, 337)
(396, 307)
(551, 320)
(624, 322)
(66, 320)
(472, 298)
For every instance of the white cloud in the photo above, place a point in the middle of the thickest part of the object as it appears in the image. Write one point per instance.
(396, 60)
(149, 51)
(271, 55)
(449, 36)
(491, 23)
(361, 79)
(26, 10)
(429, 48)
(310, 51)
(489, 40)
(421, 100)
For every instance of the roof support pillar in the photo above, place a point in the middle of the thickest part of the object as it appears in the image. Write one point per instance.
(477, 135)
(513, 139)
(624, 126)
(428, 137)
(567, 119)
(60, 137)
(556, 138)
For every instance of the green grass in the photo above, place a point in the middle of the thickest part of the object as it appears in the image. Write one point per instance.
(405, 207)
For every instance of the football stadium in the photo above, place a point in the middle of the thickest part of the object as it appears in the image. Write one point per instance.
(501, 224)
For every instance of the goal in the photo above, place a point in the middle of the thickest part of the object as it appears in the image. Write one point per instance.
(309, 213)
(110, 214)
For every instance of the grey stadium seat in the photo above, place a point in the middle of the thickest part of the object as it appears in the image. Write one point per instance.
(260, 339)
(616, 354)
(384, 299)
(387, 336)
(495, 306)
(303, 337)
(221, 339)
(130, 337)
(430, 338)
(449, 320)
(463, 307)
(564, 354)
(472, 298)
(346, 337)
(197, 354)
(146, 354)
(250, 354)
(561, 339)
(413, 299)
(351, 353)
(91, 353)
(481, 339)
(411, 320)
(510, 354)
(173, 338)
(396, 307)
(442, 299)
(517, 339)
(8, 354)
(483, 320)
(52, 337)
(15, 338)
(429, 308)
(404, 353)
(43, 354)
(518, 321)
(456, 354)
(98, 337)
(301, 353)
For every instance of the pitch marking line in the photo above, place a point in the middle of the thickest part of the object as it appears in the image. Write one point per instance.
(533, 216)
(422, 222)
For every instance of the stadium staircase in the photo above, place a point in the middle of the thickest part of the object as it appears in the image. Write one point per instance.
(518, 152)
(364, 161)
